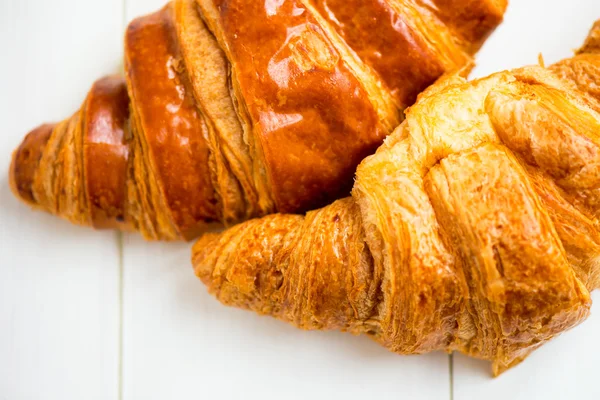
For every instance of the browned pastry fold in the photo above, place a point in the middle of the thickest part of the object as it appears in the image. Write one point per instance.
(474, 227)
(232, 109)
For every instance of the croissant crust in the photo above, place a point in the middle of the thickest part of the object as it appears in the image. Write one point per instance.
(474, 227)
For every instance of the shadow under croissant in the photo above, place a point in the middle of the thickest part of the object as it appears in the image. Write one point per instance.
(260, 331)
(474, 228)
(45, 224)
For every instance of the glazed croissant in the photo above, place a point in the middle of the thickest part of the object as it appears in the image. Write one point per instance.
(473, 228)
(232, 109)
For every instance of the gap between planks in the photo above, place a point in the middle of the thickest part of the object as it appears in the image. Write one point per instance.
(121, 271)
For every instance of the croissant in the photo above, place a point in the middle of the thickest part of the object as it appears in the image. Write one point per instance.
(232, 109)
(473, 228)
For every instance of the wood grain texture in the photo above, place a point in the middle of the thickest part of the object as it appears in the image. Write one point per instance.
(58, 283)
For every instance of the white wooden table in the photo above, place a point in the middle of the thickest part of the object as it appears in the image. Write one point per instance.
(100, 315)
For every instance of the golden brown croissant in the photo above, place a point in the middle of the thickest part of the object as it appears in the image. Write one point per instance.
(238, 108)
(473, 228)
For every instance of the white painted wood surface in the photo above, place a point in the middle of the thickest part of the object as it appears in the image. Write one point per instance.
(59, 301)
(77, 320)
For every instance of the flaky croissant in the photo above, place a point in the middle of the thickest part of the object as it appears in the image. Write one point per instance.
(232, 109)
(474, 228)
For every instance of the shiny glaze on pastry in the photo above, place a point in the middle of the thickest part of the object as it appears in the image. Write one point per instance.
(240, 108)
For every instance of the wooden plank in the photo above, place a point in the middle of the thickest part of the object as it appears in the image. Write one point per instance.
(179, 342)
(566, 367)
(58, 283)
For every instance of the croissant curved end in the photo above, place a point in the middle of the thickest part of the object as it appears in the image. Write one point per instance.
(24, 163)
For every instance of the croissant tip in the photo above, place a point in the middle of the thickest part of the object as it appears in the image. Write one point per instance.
(24, 163)
(12, 181)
